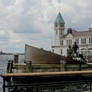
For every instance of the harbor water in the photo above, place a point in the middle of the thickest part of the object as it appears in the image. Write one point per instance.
(3, 64)
(68, 87)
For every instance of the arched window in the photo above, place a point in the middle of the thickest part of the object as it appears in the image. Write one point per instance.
(84, 51)
(89, 48)
(89, 51)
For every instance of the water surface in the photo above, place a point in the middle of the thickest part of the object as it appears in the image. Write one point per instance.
(3, 64)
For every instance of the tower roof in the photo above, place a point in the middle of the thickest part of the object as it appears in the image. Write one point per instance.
(59, 19)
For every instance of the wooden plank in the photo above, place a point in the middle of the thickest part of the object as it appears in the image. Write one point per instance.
(47, 74)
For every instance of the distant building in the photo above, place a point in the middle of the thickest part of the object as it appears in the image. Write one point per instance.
(62, 40)
(1, 52)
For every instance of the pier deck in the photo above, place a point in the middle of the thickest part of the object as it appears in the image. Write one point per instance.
(40, 82)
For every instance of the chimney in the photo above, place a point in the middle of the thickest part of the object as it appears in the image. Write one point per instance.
(90, 29)
(69, 31)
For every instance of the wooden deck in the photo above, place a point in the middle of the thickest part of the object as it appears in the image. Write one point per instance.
(47, 80)
(66, 73)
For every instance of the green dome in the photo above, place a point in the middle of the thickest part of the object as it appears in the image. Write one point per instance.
(59, 19)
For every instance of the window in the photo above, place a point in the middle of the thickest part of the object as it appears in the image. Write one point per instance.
(90, 40)
(84, 51)
(61, 51)
(61, 42)
(69, 42)
(56, 32)
(77, 41)
(83, 40)
(52, 50)
(56, 25)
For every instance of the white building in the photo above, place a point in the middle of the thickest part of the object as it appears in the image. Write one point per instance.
(62, 40)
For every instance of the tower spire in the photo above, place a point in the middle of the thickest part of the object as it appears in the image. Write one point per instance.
(59, 19)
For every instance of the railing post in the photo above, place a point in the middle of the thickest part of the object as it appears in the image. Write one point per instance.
(10, 66)
(62, 65)
(29, 66)
(90, 87)
(37, 88)
(3, 85)
(80, 66)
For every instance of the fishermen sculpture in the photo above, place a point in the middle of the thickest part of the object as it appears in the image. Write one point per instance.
(72, 53)
(75, 48)
(69, 51)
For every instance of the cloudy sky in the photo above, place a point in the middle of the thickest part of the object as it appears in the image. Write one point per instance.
(31, 21)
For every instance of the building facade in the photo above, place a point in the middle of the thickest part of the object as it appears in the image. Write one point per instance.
(62, 40)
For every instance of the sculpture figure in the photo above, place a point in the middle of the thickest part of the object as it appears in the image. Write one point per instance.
(69, 51)
(73, 53)
(75, 48)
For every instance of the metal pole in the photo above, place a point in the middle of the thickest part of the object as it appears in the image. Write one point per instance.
(90, 87)
(80, 67)
(3, 85)
(29, 66)
(37, 88)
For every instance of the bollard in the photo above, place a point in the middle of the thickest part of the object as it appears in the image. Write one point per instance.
(10, 66)
(63, 65)
(80, 66)
(16, 57)
(29, 66)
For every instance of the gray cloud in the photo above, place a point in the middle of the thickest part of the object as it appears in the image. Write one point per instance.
(7, 3)
(30, 21)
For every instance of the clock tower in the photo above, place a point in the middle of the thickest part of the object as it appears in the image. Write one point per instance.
(59, 26)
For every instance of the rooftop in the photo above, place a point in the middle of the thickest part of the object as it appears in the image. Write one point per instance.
(79, 33)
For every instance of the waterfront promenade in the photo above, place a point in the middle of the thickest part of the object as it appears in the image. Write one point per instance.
(71, 81)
